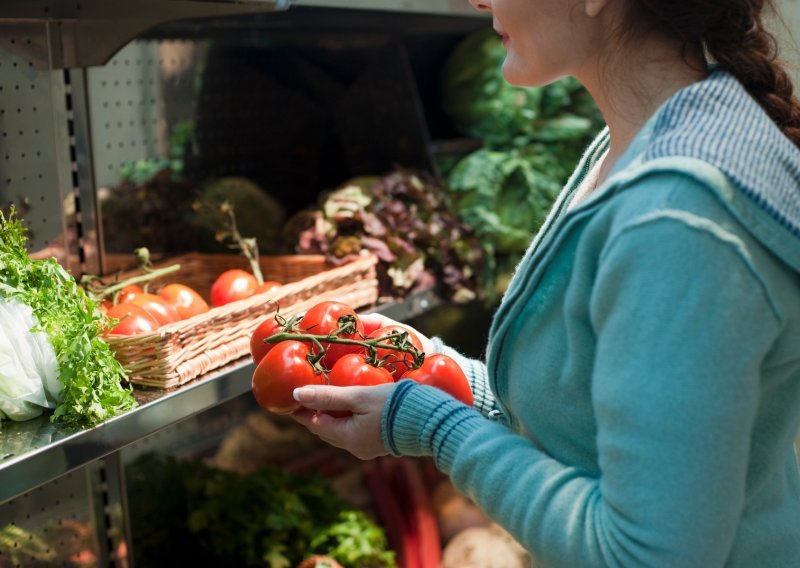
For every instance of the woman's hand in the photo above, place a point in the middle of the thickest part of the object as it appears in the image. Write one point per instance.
(375, 321)
(359, 433)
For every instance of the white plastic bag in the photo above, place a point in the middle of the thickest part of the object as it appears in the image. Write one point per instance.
(28, 366)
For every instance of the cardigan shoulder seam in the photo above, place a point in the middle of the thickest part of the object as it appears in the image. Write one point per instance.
(705, 226)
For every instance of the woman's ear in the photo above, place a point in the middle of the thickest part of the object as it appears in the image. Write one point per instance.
(594, 7)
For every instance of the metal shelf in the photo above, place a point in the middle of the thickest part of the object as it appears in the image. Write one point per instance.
(65, 34)
(35, 452)
(60, 34)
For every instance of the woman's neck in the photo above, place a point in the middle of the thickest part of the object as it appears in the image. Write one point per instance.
(630, 85)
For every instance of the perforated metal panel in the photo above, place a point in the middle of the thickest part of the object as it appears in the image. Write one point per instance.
(131, 112)
(35, 168)
(52, 525)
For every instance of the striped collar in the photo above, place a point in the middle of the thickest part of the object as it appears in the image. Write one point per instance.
(718, 122)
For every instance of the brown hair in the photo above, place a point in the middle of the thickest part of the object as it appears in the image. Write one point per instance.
(733, 34)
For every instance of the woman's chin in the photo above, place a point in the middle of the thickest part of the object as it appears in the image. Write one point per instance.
(519, 77)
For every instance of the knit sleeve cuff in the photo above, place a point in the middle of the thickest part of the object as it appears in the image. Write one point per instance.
(420, 420)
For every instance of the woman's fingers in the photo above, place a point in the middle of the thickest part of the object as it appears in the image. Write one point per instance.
(345, 417)
(358, 400)
(325, 397)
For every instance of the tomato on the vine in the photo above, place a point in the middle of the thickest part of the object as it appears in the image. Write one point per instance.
(157, 307)
(282, 370)
(232, 285)
(396, 362)
(133, 320)
(184, 299)
(323, 319)
(353, 370)
(444, 373)
(267, 328)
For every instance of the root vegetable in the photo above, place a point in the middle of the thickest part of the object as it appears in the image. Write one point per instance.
(484, 547)
(454, 511)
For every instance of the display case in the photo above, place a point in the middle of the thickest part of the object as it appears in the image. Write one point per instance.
(296, 97)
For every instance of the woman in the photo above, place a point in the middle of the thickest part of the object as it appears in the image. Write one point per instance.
(641, 392)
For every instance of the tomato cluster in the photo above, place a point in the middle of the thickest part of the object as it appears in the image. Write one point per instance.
(141, 312)
(328, 345)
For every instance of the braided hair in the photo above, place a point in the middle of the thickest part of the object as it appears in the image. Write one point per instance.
(733, 34)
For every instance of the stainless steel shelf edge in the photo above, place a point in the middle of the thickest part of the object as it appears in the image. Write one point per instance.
(35, 452)
(21, 473)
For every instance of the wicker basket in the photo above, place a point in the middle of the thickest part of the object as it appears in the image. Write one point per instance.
(179, 352)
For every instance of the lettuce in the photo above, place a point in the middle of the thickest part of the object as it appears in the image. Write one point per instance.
(482, 104)
(91, 377)
(532, 138)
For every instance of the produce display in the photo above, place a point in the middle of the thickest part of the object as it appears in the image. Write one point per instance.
(327, 345)
(176, 301)
(406, 219)
(189, 513)
(51, 347)
(459, 233)
(532, 138)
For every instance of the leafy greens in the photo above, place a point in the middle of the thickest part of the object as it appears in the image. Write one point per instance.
(270, 517)
(532, 138)
(92, 378)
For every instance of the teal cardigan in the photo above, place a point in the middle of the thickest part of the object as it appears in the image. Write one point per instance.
(641, 392)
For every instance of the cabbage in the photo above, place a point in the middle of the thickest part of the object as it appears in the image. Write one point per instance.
(532, 139)
(28, 366)
(482, 104)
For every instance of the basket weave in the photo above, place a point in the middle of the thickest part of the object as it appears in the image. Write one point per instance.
(181, 351)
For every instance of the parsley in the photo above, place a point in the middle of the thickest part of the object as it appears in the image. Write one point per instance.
(91, 376)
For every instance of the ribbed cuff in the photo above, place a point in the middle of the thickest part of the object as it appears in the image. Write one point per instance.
(419, 420)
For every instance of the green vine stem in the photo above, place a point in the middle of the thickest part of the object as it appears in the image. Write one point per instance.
(99, 290)
(248, 246)
(394, 341)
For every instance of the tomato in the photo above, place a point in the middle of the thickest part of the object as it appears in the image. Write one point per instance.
(323, 319)
(157, 307)
(396, 362)
(266, 286)
(352, 370)
(443, 372)
(266, 328)
(133, 320)
(128, 293)
(370, 325)
(282, 370)
(186, 301)
(232, 285)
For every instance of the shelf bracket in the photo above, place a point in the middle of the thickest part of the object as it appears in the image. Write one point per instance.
(89, 33)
